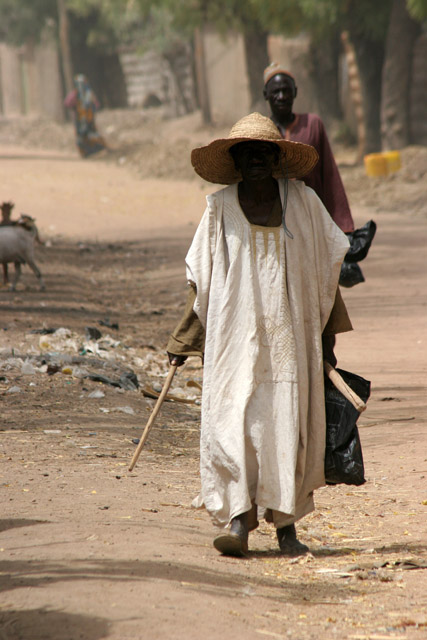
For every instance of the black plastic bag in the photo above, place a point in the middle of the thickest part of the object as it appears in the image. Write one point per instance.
(360, 242)
(343, 456)
(350, 274)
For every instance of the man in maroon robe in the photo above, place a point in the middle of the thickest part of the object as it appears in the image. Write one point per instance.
(280, 91)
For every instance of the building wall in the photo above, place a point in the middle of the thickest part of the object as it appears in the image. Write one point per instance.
(293, 54)
(48, 78)
(11, 81)
(228, 86)
(145, 76)
(150, 80)
(227, 80)
(30, 81)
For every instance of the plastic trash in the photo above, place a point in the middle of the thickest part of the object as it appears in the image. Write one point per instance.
(58, 342)
(127, 410)
(106, 323)
(92, 333)
(14, 390)
(80, 372)
(44, 331)
(360, 242)
(351, 274)
(27, 368)
(62, 332)
(127, 380)
(96, 394)
(67, 371)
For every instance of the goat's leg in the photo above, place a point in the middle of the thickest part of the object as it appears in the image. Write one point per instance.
(5, 273)
(38, 274)
(16, 276)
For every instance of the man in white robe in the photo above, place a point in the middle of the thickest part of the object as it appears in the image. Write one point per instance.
(264, 268)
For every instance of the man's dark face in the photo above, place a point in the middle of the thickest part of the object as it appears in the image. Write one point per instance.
(255, 160)
(280, 92)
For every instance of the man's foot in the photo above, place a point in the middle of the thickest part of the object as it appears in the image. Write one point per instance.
(234, 542)
(289, 543)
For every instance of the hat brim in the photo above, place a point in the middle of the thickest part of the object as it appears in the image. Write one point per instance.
(214, 162)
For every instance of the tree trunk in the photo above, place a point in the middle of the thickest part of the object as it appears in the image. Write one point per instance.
(324, 56)
(397, 75)
(64, 43)
(369, 56)
(257, 60)
(200, 72)
(356, 97)
(418, 94)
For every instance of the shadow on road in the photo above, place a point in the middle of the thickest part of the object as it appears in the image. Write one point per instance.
(50, 625)
(24, 574)
(11, 523)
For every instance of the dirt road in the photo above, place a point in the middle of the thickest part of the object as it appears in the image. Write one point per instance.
(89, 550)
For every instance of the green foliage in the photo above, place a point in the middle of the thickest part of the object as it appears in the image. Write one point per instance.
(359, 16)
(417, 9)
(224, 15)
(280, 16)
(23, 20)
(161, 24)
(326, 12)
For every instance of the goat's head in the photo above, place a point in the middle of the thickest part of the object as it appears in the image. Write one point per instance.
(29, 224)
(24, 218)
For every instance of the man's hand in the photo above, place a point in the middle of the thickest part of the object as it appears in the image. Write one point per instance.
(176, 360)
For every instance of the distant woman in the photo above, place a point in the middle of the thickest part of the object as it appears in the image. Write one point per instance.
(83, 102)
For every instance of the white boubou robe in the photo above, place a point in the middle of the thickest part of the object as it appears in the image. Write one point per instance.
(263, 299)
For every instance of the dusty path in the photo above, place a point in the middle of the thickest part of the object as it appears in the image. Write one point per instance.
(88, 550)
(95, 200)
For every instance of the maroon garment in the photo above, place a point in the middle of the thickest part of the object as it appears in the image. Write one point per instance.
(324, 179)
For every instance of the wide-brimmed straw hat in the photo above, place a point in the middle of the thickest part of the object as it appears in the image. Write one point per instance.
(214, 162)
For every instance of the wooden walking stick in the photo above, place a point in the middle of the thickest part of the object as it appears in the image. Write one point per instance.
(153, 416)
(343, 387)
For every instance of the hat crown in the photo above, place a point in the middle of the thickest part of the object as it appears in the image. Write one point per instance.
(275, 69)
(255, 127)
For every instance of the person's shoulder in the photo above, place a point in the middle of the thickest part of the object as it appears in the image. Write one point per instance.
(215, 205)
(315, 120)
(310, 121)
(213, 198)
(218, 197)
(298, 187)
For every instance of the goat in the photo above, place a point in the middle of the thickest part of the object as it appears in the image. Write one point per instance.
(17, 246)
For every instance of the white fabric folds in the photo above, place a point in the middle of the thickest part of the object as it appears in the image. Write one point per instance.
(264, 300)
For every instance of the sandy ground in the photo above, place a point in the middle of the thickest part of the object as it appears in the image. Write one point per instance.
(89, 550)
